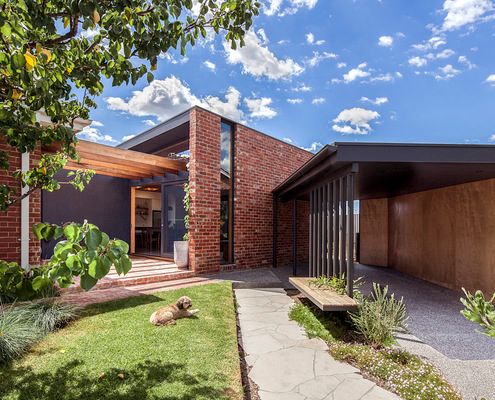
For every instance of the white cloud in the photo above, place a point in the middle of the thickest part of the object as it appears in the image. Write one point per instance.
(378, 101)
(356, 73)
(319, 57)
(418, 61)
(464, 61)
(288, 140)
(93, 134)
(441, 55)
(149, 122)
(282, 8)
(257, 60)
(170, 96)
(388, 77)
(341, 65)
(433, 43)
(272, 7)
(492, 138)
(90, 33)
(465, 12)
(210, 65)
(302, 87)
(310, 39)
(128, 137)
(260, 108)
(385, 41)
(490, 80)
(447, 72)
(314, 147)
(172, 60)
(355, 121)
(295, 101)
(318, 100)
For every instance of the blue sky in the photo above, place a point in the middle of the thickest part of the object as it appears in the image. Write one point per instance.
(318, 71)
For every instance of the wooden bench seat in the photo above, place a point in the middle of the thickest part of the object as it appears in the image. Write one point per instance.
(324, 298)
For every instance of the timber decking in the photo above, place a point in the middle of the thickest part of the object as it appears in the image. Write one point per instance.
(325, 299)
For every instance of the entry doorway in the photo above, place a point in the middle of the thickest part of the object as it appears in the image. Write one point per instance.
(157, 219)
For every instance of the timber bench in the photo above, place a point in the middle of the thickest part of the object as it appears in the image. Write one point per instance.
(326, 299)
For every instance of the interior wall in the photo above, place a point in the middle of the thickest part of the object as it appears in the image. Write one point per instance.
(445, 236)
(373, 232)
(147, 200)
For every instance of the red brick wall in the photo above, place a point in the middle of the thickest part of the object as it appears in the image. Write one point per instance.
(10, 220)
(262, 163)
(204, 182)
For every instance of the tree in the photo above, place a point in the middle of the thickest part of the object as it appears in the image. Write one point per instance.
(55, 56)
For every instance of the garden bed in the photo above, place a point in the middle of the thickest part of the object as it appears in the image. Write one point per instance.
(394, 369)
(113, 352)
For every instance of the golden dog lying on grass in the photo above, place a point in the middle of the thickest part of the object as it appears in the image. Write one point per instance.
(167, 315)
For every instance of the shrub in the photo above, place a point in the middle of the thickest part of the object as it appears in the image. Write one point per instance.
(49, 315)
(17, 332)
(479, 310)
(337, 283)
(85, 251)
(379, 316)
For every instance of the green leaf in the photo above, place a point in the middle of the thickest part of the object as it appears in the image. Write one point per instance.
(149, 77)
(40, 283)
(72, 232)
(37, 230)
(123, 246)
(93, 238)
(87, 282)
(126, 264)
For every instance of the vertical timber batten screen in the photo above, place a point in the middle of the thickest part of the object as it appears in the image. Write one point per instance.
(331, 229)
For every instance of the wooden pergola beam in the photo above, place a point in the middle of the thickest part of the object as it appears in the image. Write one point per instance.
(73, 166)
(128, 167)
(121, 163)
(130, 156)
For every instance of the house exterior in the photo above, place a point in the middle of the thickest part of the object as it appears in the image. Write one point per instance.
(426, 210)
(256, 201)
(231, 171)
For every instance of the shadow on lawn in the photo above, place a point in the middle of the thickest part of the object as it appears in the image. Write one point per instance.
(120, 304)
(68, 382)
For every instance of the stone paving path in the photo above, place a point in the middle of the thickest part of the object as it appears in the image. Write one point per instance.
(284, 363)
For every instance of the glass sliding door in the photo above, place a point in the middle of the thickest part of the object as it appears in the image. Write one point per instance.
(173, 214)
(227, 193)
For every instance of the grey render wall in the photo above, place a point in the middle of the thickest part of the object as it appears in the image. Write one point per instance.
(105, 202)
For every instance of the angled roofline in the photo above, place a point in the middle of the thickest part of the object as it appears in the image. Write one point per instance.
(157, 130)
(365, 152)
(184, 117)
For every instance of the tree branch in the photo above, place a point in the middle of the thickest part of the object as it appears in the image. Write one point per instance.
(74, 23)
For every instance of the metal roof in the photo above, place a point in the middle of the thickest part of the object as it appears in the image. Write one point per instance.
(390, 169)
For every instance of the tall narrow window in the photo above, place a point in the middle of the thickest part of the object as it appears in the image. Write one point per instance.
(227, 194)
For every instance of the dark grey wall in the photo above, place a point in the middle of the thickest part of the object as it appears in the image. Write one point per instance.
(105, 202)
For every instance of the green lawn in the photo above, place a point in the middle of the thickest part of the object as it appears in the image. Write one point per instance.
(195, 359)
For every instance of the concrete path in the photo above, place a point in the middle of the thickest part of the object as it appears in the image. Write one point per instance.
(284, 363)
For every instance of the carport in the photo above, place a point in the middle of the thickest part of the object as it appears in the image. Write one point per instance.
(425, 209)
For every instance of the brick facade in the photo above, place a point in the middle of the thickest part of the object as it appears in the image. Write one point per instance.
(10, 220)
(204, 184)
(260, 164)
